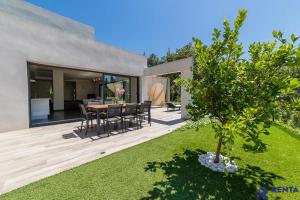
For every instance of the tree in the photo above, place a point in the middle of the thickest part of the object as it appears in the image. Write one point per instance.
(240, 95)
(153, 60)
(184, 52)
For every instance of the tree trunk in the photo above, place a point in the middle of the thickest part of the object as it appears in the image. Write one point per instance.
(217, 159)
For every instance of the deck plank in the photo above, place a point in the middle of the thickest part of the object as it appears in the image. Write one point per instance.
(32, 154)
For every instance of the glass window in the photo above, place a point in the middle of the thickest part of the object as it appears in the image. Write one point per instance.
(116, 89)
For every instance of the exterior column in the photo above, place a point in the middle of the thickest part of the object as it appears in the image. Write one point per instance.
(58, 89)
(144, 88)
(168, 90)
(185, 96)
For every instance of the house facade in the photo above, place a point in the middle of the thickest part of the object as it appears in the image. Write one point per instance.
(49, 63)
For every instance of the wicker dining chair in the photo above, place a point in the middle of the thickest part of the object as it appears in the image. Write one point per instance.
(145, 111)
(113, 115)
(86, 117)
(130, 114)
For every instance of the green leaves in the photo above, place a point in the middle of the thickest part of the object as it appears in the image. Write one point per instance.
(294, 83)
(240, 95)
(294, 38)
(277, 34)
(197, 43)
(238, 23)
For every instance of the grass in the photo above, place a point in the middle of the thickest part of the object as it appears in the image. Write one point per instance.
(167, 168)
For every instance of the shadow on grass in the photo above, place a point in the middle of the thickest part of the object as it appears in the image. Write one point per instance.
(187, 179)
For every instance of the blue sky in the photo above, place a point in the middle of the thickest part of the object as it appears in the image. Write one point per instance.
(153, 26)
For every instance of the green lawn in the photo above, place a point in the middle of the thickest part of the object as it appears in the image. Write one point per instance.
(167, 168)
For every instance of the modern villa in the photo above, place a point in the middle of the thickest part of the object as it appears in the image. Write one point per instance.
(49, 64)
(82, 119)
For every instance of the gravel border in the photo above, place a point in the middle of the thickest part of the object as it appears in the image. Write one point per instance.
(225, 164)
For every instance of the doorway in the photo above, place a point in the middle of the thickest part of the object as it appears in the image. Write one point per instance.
(55, 92)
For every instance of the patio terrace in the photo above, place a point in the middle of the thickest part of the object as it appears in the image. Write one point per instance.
(32, 154)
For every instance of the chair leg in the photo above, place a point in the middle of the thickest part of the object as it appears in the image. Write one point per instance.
(107, 127)
(132, 123)
(81, 126)
(140, 122)
(122, 125)
(149, 119)
(104, 126)
(137, 123)
(86, 126)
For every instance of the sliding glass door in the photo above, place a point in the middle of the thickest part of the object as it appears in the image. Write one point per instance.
(118, 88)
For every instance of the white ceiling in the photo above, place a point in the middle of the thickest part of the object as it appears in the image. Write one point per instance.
(40, 72)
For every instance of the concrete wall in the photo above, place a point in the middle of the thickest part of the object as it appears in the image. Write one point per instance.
(185, 96)
(183, 66)
(69, 87)
(83, 88)
(168, 94)
(39, 15)
(96, 90)
(144, 80)
(42, 37)
(170, 67)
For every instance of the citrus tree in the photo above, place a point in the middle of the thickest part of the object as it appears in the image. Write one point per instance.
(240, 93)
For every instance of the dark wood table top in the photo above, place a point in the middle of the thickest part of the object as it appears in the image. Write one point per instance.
(98, 106)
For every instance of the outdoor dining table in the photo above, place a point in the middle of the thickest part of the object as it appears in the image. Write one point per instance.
(98, 108)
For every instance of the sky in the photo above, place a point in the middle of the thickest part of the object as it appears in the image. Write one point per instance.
(154, 26)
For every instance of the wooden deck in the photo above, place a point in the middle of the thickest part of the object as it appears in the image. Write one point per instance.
(32, 154)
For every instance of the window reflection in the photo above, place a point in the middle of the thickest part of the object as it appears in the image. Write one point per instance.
(116, 89)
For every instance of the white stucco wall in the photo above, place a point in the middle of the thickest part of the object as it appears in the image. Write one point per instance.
(22, 39)
(39, 15)
(144, 88)
(185, 96)
(170, 67)
(83, 88)
(183, 66)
